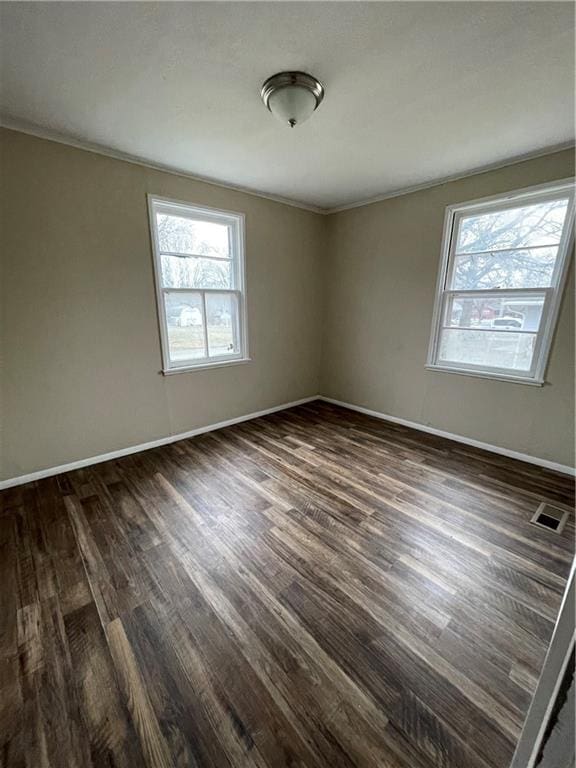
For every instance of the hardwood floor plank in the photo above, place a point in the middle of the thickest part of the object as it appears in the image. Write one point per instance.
(306, 655)
(313, 588)
(153, 744)
(9, 587)
(283, 664)
(12, 714)
(433, 737)
(57, 720)
(191, 708)
(107, 725)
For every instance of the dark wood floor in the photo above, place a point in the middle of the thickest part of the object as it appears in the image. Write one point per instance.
(313, 588)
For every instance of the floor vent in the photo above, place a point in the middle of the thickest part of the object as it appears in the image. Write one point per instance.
(550, 517)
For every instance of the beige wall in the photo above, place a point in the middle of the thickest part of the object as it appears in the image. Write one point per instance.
(380, 274)
(81, 357)
(339, 305)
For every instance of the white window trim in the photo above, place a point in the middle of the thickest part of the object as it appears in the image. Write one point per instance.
(536, 377)
(185, 208)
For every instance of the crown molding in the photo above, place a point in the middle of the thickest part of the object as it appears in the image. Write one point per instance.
(31, 129)
(550, 150)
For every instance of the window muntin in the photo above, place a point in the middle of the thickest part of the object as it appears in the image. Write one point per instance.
(196, 272)
(500, 283)
(199, 271)
(522, 268)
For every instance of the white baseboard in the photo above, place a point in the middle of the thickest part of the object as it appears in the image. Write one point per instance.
(564, 469)
(50, 471)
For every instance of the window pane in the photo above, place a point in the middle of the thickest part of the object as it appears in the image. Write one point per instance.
(512, 351)
(179, 234)
(222, 318)
(524, 226)
(185, 326)
(512, 312)
(189, 272)
(523, 268)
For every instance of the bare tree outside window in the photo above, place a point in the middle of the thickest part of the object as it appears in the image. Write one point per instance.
(493, 253)
(191, 240)
(501, 275)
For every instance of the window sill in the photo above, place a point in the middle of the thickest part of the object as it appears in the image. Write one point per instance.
(487, 375)
(205, 366)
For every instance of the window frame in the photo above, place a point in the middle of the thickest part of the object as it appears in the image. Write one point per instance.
(553, 294)
(236, 222)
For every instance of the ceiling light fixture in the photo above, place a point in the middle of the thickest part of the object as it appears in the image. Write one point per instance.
(292, 96)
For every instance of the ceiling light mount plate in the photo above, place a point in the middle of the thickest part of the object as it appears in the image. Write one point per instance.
(292, 96)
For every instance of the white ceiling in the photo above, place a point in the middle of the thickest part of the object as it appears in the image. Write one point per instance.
(414, 91)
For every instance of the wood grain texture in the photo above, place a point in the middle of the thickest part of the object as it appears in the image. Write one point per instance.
(313, 588)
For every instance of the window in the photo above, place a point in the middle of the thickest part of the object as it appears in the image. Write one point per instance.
(199, 270)
(504, 261)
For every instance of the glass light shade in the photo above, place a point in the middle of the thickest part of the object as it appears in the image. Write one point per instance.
(292, 104)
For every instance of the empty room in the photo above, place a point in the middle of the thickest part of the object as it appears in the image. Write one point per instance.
(287, 383)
